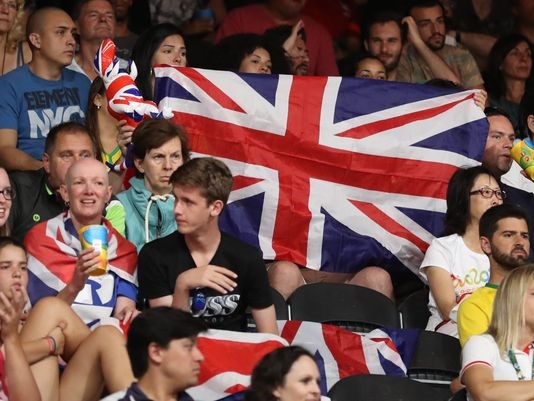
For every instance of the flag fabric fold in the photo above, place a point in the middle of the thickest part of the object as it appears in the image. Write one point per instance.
(331, 173)
(231, 356)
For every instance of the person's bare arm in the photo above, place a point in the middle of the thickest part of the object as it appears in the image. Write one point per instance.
(12, 158)
(22, 385)
(39, 349)
(442, 289)
(85, 264)
(480, 383)
(125, 309)
(265, 320)
(439, 68)
(218, 278)
(161, 301)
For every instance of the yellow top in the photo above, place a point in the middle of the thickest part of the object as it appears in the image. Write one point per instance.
(474, 314)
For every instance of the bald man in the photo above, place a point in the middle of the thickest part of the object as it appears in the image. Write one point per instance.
(59, 267)
(41, 94)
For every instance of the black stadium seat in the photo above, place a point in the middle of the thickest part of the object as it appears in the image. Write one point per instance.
(382, 388)
(349, 306)
(414, 311)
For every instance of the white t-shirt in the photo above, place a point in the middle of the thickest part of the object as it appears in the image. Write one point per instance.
(482, 349)
(469, 270)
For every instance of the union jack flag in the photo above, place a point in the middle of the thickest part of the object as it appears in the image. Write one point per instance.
(332, 173)
(231, 356)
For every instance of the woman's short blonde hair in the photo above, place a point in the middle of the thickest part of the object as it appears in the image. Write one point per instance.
(509, 308)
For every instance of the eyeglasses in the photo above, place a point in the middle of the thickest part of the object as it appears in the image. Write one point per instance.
(9, 193)
(10, 5)
(488, 193)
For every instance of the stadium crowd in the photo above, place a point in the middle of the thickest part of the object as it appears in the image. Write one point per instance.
(66, 162)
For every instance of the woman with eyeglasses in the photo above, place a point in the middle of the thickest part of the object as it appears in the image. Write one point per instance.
(454, 265)
(14, 50)
(7, 194)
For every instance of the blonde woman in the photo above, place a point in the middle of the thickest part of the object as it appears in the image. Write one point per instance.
(14, 50)
(498, 365)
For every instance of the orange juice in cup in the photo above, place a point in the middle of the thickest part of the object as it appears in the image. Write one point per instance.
(96, 236)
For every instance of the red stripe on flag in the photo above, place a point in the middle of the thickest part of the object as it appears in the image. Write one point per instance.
(389, 224)
(231, 356)
(218, 95)
(373, 128)
(291, 327)
(240, 181)
(347, 349)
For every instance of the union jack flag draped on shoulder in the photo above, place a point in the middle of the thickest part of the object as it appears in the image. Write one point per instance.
(331, 173)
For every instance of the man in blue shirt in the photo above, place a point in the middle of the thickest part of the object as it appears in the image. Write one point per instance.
(41, 94)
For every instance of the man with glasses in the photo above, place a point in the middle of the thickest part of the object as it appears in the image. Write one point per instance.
(504, 239)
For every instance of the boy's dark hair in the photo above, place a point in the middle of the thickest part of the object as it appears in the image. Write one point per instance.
(489, 220)
(158, 325)
(210, 175)
(6, 241)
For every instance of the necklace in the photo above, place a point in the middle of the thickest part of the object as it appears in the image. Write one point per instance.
(517, 368)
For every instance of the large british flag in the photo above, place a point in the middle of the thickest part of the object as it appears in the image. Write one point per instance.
(331, 173)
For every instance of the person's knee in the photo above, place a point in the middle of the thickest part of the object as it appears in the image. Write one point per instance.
(375, 278)
(285, 277)
(108, 333)
(50, 305)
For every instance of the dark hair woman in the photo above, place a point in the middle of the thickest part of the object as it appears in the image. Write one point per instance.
(509, 78)
(454, 265)
(285, 374)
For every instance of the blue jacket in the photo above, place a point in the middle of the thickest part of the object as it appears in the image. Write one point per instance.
(160, 216)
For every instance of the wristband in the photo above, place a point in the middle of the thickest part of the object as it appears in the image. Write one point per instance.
(52, 346)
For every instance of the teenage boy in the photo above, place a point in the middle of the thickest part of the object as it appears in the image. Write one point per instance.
(200, 268)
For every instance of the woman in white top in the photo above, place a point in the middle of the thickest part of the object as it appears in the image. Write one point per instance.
(498, 365)
(455, 265)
